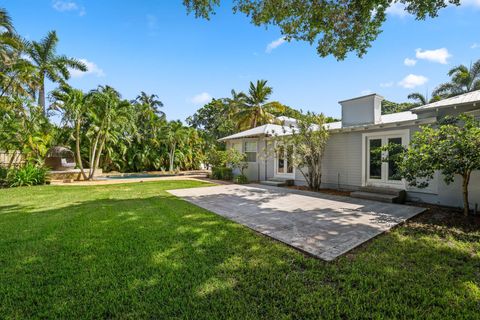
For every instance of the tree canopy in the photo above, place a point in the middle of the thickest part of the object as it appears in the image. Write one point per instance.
(337, 27)
(463, 79)
(451, 148)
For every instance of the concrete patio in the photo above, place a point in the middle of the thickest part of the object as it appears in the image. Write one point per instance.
(322, 225)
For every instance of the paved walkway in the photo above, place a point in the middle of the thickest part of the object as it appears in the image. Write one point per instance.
(323, 225)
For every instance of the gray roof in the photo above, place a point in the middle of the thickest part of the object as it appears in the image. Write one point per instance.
(265, 130)
(466, 98)
(279, 130)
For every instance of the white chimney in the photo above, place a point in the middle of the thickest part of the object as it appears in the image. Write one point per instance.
(361, 110)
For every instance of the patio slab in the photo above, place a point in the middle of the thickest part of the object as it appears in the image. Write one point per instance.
(322, 225)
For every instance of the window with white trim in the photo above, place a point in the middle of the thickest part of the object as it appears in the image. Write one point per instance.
(237, 146)
(251, 151)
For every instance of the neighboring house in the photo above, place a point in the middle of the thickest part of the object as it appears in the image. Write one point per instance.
(348, 163)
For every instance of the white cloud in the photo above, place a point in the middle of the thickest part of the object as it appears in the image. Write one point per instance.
(473, 3)
(438, 55)
(365, 92)
(397, 9)
(63, 6)
(386, 84)
(475, 45)
(412, 80)
(275, 44)
(92, 68)
(201, 98)
(409, 62)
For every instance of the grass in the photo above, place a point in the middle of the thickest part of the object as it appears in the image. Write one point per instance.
(134, 251)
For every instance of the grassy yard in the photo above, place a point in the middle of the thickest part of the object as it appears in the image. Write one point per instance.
(134, 251)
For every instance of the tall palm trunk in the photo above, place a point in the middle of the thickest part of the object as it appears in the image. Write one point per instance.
(171, 157)
(77, 149)
(41, 94)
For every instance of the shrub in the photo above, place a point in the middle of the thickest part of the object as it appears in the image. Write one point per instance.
(240, 179)
(222, 173)
(29, 175)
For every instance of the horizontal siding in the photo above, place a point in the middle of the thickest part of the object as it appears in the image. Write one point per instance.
(342, 161)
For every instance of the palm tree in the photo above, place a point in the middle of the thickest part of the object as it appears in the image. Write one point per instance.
(254, 110)
(151, 101)
(420, 99)
(50, 65)
(6, 21)
(110, 116)
(71, 102)
(16, 73)
(463, 80)
(175, 134)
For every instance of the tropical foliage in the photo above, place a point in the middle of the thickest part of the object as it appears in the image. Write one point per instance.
(104, 129)
(463, 79)
(50, 65)
(389, 107)
(29, 175)
(253, 109)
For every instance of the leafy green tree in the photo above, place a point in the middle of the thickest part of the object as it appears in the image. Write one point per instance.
(254, 109)
(308, 140)
(214, 119)
(452, 148)
(23, 128)
(49, 65)
(338, 27)
(463, 80)
(389, 107)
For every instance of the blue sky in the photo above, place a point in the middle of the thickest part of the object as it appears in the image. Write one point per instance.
(156, 47)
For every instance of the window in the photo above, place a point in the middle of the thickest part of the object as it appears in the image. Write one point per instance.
(375, 159)
(237, 146)
(251, 151)
(394, 151)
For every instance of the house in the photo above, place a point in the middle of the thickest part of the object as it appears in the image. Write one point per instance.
(348, 163)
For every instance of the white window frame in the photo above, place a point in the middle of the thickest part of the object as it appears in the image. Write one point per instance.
(252, 150)
(384, 135)
(282, 174)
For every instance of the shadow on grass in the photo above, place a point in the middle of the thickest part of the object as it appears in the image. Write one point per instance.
(161, 257)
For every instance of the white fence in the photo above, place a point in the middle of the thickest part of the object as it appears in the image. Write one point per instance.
(14, 158)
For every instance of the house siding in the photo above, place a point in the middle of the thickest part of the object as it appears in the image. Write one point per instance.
(342, 168)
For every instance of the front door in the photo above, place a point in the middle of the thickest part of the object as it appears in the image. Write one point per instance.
(380, 172)
(284, 162)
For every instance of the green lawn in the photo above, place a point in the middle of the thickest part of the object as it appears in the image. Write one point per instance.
(134, 251)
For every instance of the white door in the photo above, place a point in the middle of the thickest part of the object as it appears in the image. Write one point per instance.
(378, 171)
(284, 162)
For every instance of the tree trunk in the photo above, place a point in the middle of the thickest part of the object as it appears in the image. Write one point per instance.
(97, 157)
(466, 205)
(77, 149)
(41, 94)
(172, 158)
(93, 154)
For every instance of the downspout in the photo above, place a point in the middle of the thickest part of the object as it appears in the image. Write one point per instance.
(266, 158)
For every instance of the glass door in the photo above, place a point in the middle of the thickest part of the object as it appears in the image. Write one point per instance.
(284, 161)
(379, 170)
